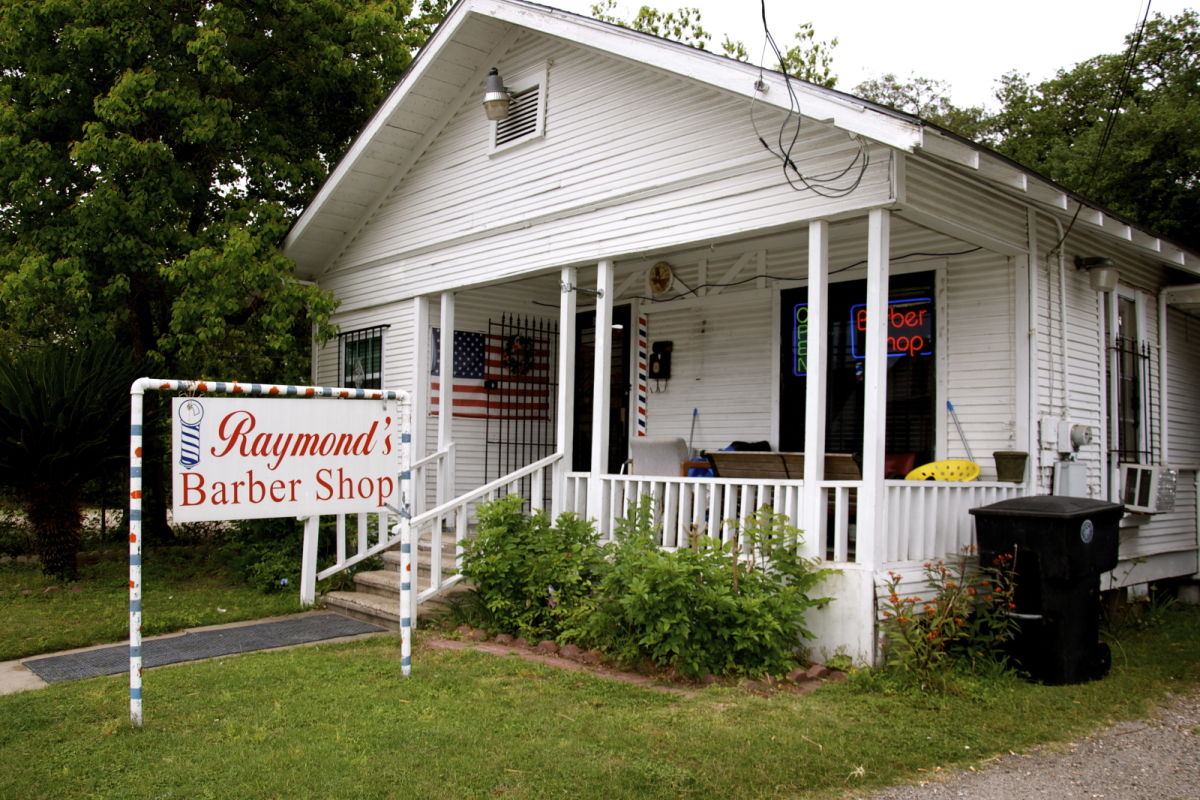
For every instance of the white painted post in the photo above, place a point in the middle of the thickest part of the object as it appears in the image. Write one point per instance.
(445, 482)
(308, 561)
(872, 514)
(420, 395)
(601, 385)
(814, 522)
(565, 406)
(135, 552)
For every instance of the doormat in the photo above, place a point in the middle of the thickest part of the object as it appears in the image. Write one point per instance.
(198, 645)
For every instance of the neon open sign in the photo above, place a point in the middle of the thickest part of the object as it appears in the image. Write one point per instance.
(910, 328)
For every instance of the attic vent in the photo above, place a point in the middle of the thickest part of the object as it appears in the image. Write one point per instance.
(522, 117)
(527, 112)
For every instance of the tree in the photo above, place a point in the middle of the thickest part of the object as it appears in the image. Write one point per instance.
(1123, 130)
(63, 422)
(927, 99)
(153, 154)
(152, 157)
(809, 60)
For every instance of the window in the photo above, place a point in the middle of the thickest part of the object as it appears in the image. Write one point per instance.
(912, 372)
(527, 112)
(1129, 382)
(361, 354)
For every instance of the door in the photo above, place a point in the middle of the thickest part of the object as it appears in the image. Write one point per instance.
(619, 389)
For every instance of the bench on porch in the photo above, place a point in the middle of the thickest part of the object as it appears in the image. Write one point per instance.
(779, 466)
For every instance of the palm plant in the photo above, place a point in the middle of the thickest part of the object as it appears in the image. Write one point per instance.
(63, 415)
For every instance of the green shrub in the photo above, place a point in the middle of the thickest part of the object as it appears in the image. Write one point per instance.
(265, 553)
(526, 571)
(711, 608)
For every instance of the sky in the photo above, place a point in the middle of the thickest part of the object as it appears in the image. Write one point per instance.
(967, 44)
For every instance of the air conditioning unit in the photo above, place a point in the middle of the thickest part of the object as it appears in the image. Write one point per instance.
(1148, 490)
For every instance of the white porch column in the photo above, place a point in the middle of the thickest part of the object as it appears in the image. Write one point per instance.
(814, 522)
(564, 414)
(445, 483)
(601, 390)
(872, 516)
(420, 387)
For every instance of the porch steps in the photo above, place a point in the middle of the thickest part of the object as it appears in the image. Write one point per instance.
(376, 595)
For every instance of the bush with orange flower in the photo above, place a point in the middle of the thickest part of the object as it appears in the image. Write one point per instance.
(962, 621)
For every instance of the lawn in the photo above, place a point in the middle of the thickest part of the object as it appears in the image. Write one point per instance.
(183, 587)
(338, 720)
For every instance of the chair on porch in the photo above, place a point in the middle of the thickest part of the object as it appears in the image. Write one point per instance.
(658, 455)
(951, 469)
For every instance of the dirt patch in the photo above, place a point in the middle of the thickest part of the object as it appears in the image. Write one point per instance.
(800, 681)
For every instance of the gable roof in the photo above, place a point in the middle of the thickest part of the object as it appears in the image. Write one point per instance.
(476, 34)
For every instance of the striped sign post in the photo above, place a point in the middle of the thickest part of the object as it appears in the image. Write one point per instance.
(190, 453)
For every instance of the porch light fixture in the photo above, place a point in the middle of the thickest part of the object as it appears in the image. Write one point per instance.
(496, 98)
(1102, 271)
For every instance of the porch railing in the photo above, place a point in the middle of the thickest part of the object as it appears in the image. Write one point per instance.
(925, 519)
(714, 507)
(356, 543)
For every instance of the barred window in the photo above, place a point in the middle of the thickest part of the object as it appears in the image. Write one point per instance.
(361, 356)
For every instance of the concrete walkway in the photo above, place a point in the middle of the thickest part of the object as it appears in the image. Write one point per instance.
(212, 641)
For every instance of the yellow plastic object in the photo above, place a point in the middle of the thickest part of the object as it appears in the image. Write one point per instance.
(952, 469)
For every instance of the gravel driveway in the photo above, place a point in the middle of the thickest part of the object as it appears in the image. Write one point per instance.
(1154, 759)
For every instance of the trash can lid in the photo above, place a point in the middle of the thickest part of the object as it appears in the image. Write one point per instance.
(1051, 506)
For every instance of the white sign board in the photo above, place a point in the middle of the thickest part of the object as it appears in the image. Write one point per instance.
(247, 458)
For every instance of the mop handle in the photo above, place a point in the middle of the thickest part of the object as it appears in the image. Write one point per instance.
(961, 435)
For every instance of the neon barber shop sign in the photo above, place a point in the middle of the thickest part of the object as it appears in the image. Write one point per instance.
(910, 331)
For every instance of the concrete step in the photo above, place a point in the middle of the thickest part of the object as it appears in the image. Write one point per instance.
(391, 561)
(380, 609)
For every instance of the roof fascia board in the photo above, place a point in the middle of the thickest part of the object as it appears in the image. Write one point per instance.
(723, 73)
(422, 63)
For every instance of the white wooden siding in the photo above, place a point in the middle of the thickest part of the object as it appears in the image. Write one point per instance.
(1183, 386)
(633, 159)
(722, 366)
(979, 357)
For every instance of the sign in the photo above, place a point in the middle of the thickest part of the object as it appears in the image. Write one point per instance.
(800, 340)
(250, 458)
(910, 328)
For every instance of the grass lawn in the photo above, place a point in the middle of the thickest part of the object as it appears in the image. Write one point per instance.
(183, 587)
(340, 721)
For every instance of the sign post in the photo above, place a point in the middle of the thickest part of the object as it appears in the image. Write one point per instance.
(271, 450)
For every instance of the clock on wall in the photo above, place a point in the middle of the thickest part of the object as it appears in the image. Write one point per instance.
(660, 278)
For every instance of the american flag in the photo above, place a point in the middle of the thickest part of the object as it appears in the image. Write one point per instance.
(489, 381)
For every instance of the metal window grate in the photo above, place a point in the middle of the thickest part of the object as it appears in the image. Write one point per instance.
(522, 118)
(1135, 439)
(360, 356)
(524, 385)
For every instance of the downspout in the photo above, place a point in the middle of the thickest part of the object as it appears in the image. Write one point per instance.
(1062, 322)
(1163, 417)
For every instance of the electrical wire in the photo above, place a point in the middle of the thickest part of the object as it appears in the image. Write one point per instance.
(826, 185)
(1110, 122)
(711, 284)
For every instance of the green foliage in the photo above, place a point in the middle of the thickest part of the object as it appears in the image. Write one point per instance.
(63, 423)
(152, 157)
(527, 571)
(927, 99)
(265, 553)
(961, 624)
(1138, 157)
(710, 608)
(808, 59)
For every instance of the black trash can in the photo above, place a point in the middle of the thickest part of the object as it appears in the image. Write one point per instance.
(1061, 546)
